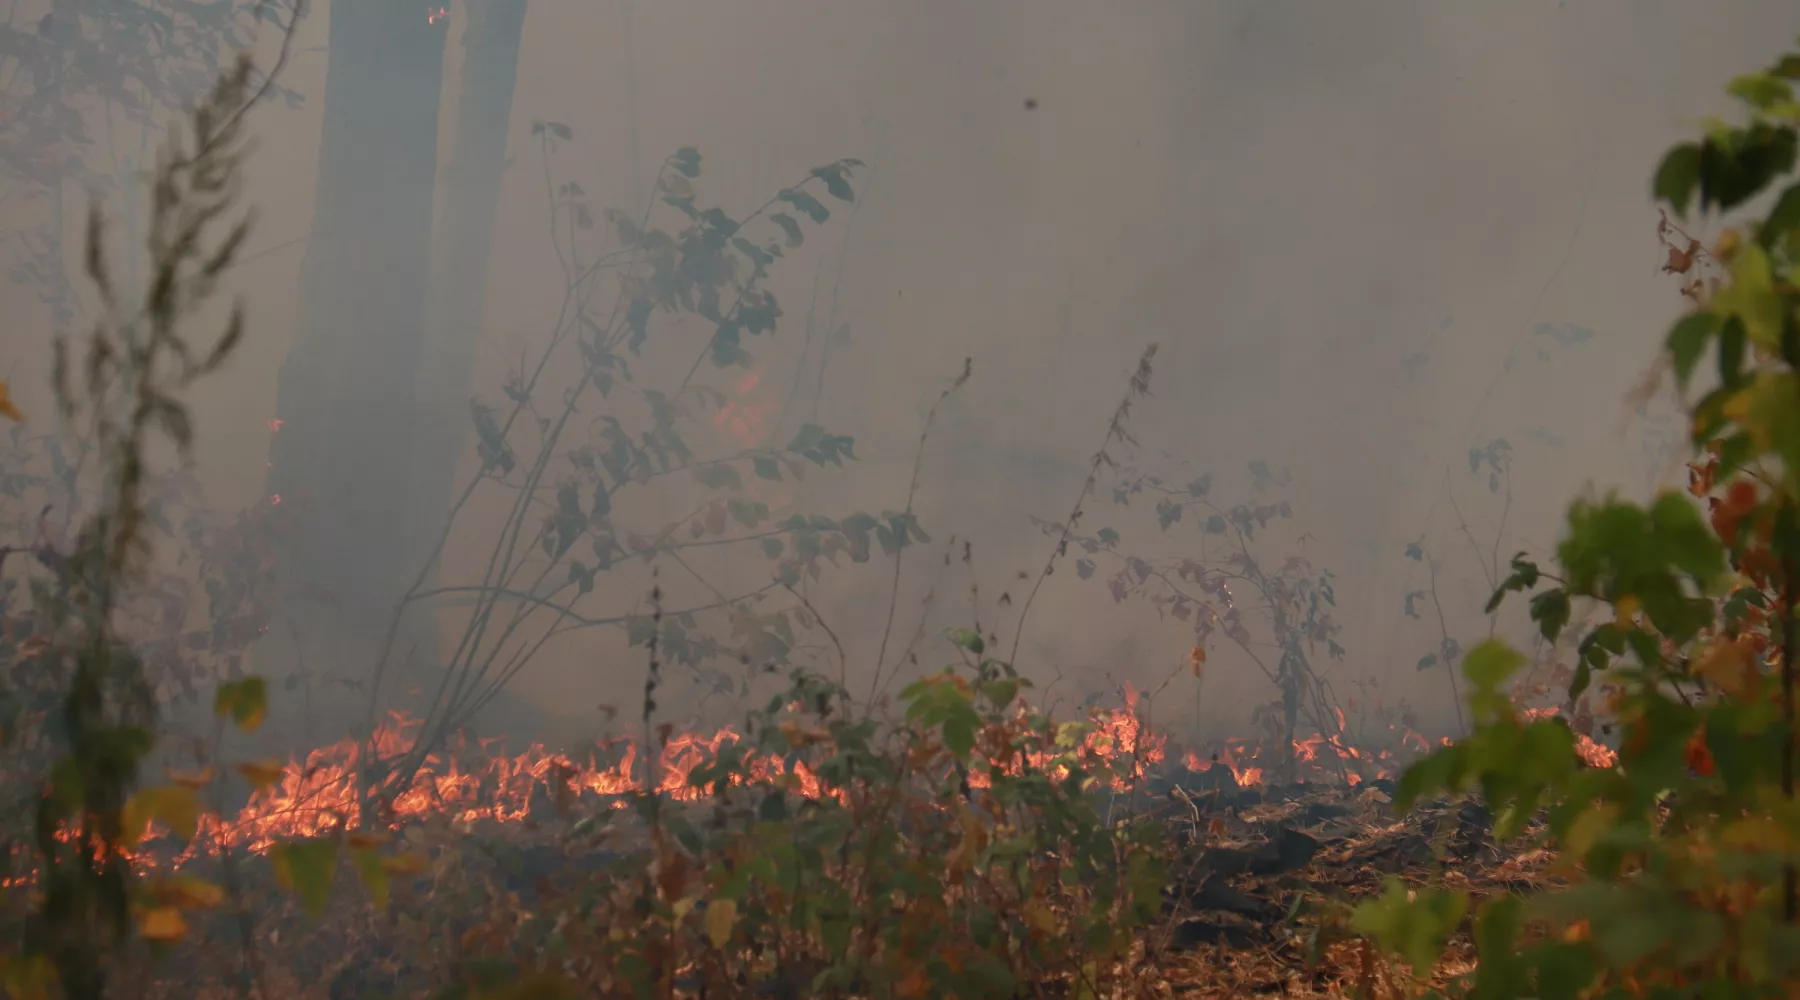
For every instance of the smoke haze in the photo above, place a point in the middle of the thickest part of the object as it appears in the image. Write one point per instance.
(1368, 239)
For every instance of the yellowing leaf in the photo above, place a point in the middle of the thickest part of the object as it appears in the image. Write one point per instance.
(261, 773)
(1588, 827)
(1731, 667)
(245, 701)
(1197, 660)
(1627, 608)
(193, 779)
(1727, 245)
(306, 867)
(1768, 409)
(374, 876)
(683, 907)
(1752, 297)
(1042, 918)
(7, 408)
(1756, 833)
(164, 924)
(403, 864)
(174, 806)
(721, 916)
(28, 977)
(189, 893)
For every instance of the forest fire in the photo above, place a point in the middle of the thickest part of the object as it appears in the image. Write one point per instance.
(480, 782)
(475, 782)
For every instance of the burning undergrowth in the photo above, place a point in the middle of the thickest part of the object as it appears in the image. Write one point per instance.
(970, 840)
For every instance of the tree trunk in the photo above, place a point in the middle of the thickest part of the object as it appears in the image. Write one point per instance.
(460, 261)
(346, 390)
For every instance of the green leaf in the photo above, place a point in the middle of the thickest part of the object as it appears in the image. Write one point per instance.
(969, 639)
(835, 181)
(959, 735)
(719, 477)
(1550, 610)
(245, 702)
(1736, 165)
(1497, 928)
(1565, 971)
(1752, 298)
(1760, 90)
(790, 226)
(1677, 176)
(1783, 219)
(807, 204)
(1417, 927)
(772, 547)
(374, 875)
(1687, 342)
(767, 467)
(1490, 663)
(306, 867)
(175, 806)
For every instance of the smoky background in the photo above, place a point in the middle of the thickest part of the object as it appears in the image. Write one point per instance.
(1369, 241)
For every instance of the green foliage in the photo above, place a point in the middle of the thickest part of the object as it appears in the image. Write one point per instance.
(1681, 845)
(84, 720)
(1293, 615)
(700, 268)
(963, 852)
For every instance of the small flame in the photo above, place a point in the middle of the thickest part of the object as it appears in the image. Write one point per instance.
(275, 424)
(320, 795)
(436, 14)
(746, 418)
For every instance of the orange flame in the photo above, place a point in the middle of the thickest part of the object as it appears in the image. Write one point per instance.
(746, 418)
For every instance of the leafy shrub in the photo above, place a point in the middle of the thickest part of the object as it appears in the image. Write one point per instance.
(1680, 852)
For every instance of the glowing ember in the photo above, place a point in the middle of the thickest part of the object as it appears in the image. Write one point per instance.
(746, 418)
(437, 14)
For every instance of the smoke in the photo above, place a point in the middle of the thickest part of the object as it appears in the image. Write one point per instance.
(1369, 238)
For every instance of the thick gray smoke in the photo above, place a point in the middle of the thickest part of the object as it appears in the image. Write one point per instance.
(1370, 239)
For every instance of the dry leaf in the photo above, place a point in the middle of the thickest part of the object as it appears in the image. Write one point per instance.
(721, 917)
(164, 924)
(261, 773)
(189, 893)
(403, 864)
(193, 779)
(6, 405)
(1681, 261)
(1731, 667)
